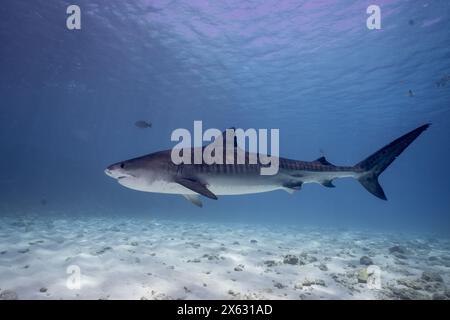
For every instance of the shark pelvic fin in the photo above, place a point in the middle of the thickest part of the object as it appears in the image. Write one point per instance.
(196, 186)
(289, 190)
(194, 198)
(292, 187)
(328, 184)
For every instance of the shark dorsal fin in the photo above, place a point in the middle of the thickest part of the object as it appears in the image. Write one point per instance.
(224, 135)
(222, 138)
(323, 161)
(226, 144)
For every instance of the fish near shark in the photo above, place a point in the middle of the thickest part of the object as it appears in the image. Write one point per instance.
(157, 172)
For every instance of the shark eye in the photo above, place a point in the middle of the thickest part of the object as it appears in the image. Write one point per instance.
(122, 165)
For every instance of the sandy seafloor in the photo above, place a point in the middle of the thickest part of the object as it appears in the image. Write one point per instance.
(138, 258)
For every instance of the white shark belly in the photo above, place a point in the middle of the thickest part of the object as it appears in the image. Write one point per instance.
(245, 185)
(223, 185)
(216, 187)
(241, 189)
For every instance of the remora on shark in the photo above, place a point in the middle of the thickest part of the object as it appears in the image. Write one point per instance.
(156, 172)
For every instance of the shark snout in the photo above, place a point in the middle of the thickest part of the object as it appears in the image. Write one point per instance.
(108, 172)
(114, 171)
(118, 172)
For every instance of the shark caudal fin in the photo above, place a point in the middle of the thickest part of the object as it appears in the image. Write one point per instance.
(375, 164)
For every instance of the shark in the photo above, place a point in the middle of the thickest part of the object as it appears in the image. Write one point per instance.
(156, 172)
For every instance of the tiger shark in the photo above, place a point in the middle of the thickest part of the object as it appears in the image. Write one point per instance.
(157, 173)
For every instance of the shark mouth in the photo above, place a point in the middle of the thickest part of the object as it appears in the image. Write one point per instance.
(126, 176)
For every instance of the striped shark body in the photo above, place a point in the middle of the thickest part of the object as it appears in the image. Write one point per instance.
(157, 172)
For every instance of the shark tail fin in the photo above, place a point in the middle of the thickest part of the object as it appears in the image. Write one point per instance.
(375, 164)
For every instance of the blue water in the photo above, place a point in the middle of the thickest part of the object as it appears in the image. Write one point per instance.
(69, 101)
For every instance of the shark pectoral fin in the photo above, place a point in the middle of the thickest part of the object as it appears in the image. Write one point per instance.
(197, 187)
(328, 184)
(194, 198)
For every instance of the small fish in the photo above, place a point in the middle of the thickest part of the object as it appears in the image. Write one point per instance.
(443, 81)
(411, 93)
(143, 124)
(411, 22)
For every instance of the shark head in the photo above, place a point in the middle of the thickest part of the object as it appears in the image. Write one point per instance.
(143, 173)
(121, 170)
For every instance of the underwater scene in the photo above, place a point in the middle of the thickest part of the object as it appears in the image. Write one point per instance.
(196, 149)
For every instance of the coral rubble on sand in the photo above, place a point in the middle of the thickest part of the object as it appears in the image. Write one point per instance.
(137, 258)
